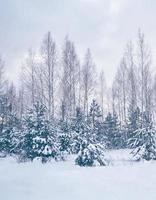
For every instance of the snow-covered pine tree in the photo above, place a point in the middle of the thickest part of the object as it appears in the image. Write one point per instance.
(64, 139)
(78, 125)
(144, 144)
(9, 140)
(143, 141)
(72, 133)
(90, 155)
(115, 137)
(39, 139)
(92, 150)
(9, 126)
(95, 113)
(98, 128)
(78, 121)
(133, 123)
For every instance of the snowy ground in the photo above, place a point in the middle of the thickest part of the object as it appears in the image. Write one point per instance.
(122, 180)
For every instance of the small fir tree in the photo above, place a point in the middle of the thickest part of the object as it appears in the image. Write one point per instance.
(143, 143)
(39, 140)
(134, 123)
(9, 138)
(113, 132)
(90, 155)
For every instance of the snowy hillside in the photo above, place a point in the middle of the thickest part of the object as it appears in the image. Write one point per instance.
(122, 179)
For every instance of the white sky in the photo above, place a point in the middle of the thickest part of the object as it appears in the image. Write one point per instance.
(104, 26)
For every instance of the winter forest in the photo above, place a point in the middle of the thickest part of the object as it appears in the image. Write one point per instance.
(62, 106)
(77, 100)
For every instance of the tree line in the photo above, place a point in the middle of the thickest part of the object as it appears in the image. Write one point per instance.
(63, 106)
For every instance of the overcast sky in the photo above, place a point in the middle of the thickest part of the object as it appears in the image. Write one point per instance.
(102, 25)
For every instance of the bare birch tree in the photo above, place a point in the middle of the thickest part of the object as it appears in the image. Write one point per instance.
(88, 79)
(48, 52)
(132, 78)
(103, 91)
(70, 79)
(144, 64)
